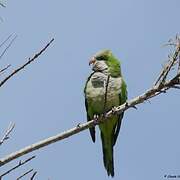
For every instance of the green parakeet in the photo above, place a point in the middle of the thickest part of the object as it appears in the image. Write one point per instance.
(105, 88)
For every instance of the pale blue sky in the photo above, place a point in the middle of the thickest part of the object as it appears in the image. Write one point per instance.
(47, 97)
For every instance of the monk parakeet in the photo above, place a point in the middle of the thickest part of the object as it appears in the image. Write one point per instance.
(105, 88)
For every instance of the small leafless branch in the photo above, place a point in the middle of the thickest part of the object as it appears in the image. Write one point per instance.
(1, 4)
(5, 40)
(161, 86)
(8, 46)
(172, 61)
(24, 174)
(7, 133)
(4, 69)
(27, 63)
(21, 163)
(32, 177)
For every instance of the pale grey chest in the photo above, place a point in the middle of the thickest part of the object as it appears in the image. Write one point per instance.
(96, 88)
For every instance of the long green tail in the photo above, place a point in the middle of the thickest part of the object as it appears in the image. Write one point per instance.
(107, 147)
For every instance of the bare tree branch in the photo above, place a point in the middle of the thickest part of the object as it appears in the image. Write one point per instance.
(4, 69)
(1, 4)
(24, 174)
(8, 46)
(170, 63)
(32, 177)
(5, 40)
(17, 166)
(7, 133)
(159, 88)
(27, 63)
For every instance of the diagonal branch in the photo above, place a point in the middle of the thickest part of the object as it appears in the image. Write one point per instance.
(8, 46)
(4, 69)
(27, 63)
(7, 133)
(32, 177)
(17, 166)
(1, 4)
(24, 174)
(157, 89)
(170, 63)
(5, 40)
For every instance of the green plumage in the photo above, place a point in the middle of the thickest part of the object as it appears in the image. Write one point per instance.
(104, 89)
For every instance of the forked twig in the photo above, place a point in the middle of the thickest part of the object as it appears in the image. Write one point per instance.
(27, 63)
(172, 60)
(21, 163)
(7, 133)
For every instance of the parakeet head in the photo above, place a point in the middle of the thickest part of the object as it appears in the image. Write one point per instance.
(104, 61)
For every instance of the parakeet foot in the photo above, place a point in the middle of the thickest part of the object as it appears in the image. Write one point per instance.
(78, 125)
(113, 110)
(95, 118)
(126, 104)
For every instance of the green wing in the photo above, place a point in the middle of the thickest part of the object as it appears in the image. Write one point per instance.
(92, 130)
(123, 98)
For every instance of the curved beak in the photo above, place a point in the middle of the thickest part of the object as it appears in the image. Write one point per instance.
(92, 61)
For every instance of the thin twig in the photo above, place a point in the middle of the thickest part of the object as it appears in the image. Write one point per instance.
(5, 40)
(168, 66)
(1, 4)
(17, 166)
(174, 58)
(32, 177)
(161, 74)
(8, 46)
(27, 63)
(24, 174)
(150, 93)
(7, 133)
(4, 69)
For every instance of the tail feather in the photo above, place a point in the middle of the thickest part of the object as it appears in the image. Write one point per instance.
(108, 159)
